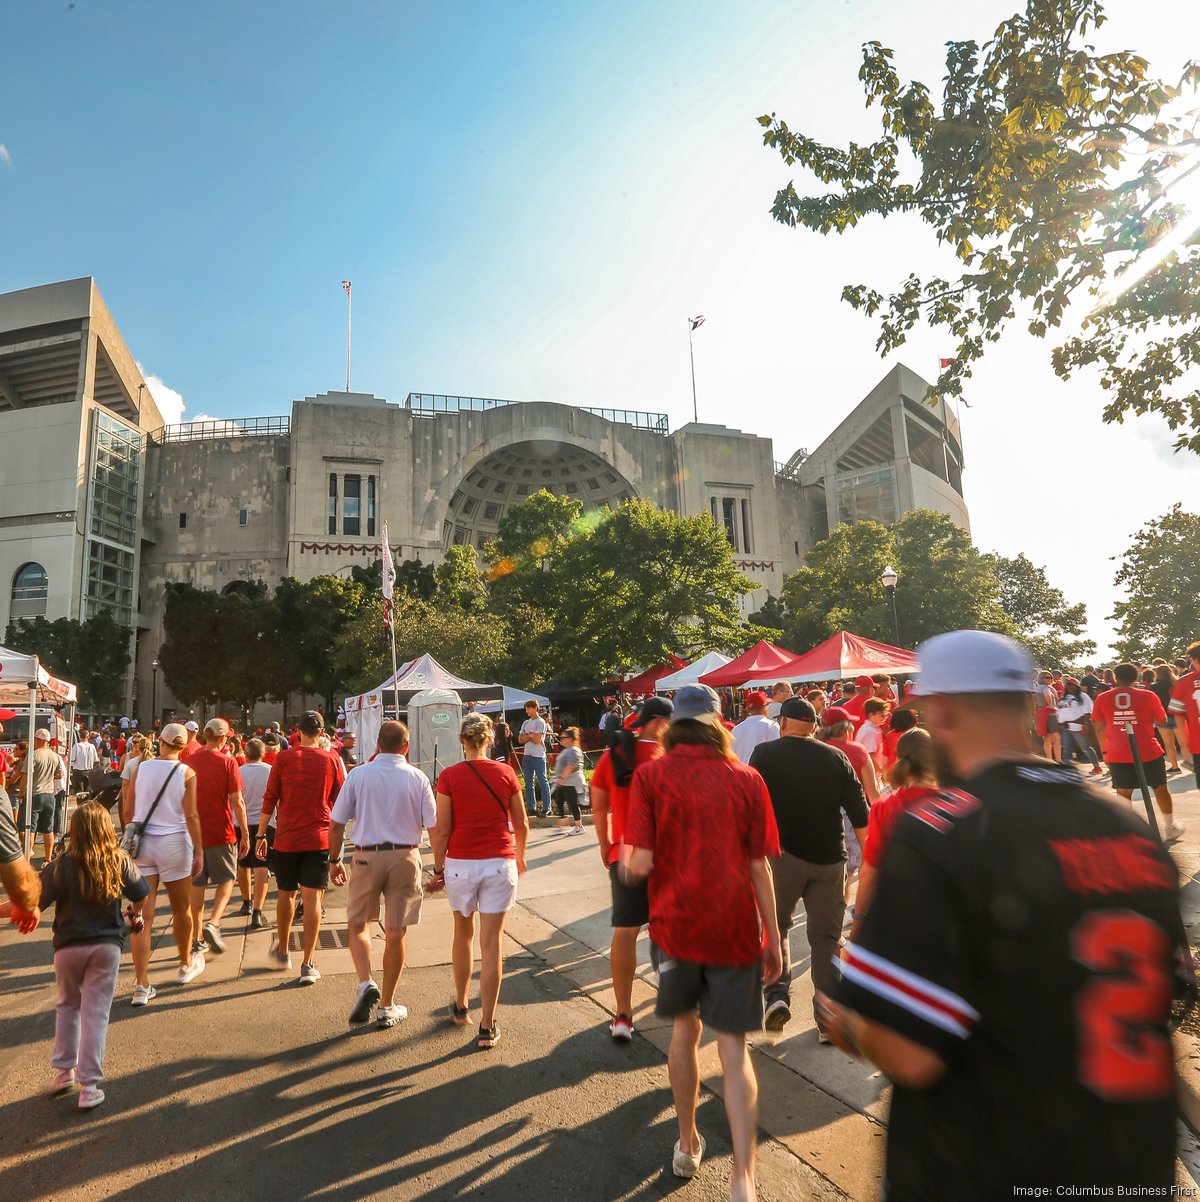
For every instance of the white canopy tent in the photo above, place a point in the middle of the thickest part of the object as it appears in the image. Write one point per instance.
(365, 713)
(692, 673)
(23, 681)
(514, 699)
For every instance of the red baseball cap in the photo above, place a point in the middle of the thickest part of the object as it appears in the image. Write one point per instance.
(863, 682)
(757, 697)
(831, 715)
(630, 720)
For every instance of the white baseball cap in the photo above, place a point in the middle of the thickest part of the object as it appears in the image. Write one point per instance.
(973, 661)
(191, 726)
(41, 735)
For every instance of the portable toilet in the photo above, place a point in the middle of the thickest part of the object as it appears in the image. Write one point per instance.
(434, 718)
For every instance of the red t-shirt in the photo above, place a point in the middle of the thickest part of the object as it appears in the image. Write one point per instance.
(302, 787)
(854, 707)
(885, 813)
(1185, 701)
(705, 818)
(856, 753)
(189, 749)
(1128, 703)
(480, 818)
(216, 777)
(890, 739)
(644, 750)
(269, 756)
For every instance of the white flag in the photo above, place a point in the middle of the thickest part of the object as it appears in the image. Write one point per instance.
(389, 566)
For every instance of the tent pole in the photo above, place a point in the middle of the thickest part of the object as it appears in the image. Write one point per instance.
(27, 825)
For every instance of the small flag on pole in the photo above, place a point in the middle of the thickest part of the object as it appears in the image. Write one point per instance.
(346, 286)
(389, 578)
(945, 363)
(697, 322)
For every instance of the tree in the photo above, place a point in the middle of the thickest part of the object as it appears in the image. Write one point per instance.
(772, 616)
(1043, 620)
(522, 558)
(189, 656)
(1049, 171)
(645, 583)
(93, 654)
(311, 618)
(1160, 577)
(459, 581)
(945, 583)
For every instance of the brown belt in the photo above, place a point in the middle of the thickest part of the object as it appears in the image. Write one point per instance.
(387, 847)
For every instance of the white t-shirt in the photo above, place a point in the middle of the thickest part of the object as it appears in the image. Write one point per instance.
(83, 757)
(748, 733)
(1073, 710)
(535, 726)
(871, 737)
(168, 816)
(131, 762)
(254, 775)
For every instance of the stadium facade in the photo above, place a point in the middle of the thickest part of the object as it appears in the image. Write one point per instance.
(101, 504)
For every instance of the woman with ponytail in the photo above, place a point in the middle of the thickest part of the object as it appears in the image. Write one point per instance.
(85, 885)
(913, 777)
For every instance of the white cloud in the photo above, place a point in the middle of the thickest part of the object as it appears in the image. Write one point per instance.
(5, 157)
(170, 403)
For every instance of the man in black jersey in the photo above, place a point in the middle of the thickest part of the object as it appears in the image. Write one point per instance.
(1014, 973)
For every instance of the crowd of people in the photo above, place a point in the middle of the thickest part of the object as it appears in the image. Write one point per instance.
(1014, 947)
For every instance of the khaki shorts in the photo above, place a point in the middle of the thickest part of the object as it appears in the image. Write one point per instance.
(220, 866)
(396, 875)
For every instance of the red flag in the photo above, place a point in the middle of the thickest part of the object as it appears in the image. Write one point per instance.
(945, 363)
(697, 322)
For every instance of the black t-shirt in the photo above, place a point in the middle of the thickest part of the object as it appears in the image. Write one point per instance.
(1092, 685)
(810, 784)
(1025, 928)
(80, 921)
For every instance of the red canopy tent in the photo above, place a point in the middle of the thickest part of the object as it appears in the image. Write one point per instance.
(842, 656)
(762, 660)
(645, 682)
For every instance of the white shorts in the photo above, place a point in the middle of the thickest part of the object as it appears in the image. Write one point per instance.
(489, 886)
(168, 857)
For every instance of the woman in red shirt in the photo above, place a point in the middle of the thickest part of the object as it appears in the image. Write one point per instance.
(913, 777)
(478, 852)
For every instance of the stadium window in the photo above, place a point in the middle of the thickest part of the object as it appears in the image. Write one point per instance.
(183, 521)
(352, 505)
(243, 517)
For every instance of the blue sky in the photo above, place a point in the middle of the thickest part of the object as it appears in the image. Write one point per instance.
(530, 198)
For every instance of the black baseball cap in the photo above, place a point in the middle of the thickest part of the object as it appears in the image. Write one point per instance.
(798, 710)
(312, 723)
(652, 707)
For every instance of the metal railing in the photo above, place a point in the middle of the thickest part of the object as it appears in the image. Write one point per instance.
(428, 404)
(791, 469)
(227, 427)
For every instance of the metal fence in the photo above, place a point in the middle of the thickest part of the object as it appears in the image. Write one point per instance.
(428, 404)
(226, 427)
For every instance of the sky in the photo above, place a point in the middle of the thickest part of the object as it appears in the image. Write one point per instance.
(531, 199)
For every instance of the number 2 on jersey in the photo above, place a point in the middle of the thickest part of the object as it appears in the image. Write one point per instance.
(1120, 1057)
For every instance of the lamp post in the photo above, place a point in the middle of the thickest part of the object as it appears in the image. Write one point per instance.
(888, 580)
(153, 692)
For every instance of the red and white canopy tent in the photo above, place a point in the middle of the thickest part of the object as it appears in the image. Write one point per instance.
(840, 657)
(23, 681)
(763, 660)
(647, 681)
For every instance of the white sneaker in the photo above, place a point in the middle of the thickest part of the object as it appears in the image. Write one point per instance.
(189, 972)
(64, 1082)
(1173, 829)
(142, 994)
(90, 1096)
(389, 1016)
(683, 1164)
(279, 961)
(310, 974)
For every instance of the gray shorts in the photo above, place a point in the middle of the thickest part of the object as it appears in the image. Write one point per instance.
(729, 999)
(220, 865)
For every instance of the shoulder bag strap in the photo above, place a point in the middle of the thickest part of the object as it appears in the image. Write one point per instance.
(161, 791)
(483, 779)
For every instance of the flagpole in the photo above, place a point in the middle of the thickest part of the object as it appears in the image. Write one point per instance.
(389, 575)
(346, 285)
(692, 357)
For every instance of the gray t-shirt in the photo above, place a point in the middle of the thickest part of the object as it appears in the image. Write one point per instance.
(46, 766)
(10, 843)
(568, 768)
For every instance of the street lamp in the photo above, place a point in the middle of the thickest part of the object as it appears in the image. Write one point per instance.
(154, 692)
(888, 580)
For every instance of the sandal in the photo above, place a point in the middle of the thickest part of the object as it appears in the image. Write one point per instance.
(489, 1036)
(458, 1014)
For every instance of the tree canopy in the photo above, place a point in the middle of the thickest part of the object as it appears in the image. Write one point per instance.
(1056, 177)
(1050, 627)
(93, 654)
(1159, 574)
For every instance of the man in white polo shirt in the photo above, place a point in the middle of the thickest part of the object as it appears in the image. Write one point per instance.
(390, 802)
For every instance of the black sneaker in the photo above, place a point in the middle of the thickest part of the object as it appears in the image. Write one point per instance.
(257, 921)
(246, 910)
(778, 1015)
(368, 996)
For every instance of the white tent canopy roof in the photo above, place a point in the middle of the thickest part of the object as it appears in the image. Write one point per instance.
(18, 672)
(692, 673)
(514, 699)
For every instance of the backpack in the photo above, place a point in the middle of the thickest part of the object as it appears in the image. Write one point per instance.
(622, 750)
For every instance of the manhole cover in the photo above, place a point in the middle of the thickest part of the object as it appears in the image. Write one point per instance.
(329, 939)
